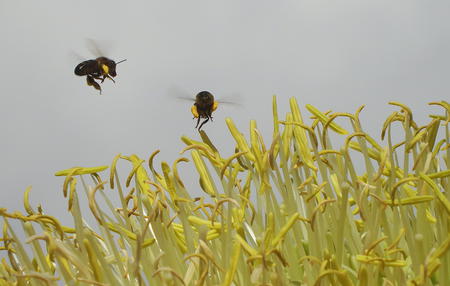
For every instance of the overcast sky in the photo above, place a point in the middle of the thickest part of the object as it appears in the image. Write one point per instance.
(333, 54)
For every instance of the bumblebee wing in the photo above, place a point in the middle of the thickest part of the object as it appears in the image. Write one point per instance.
(76, 57)
(229, 102)
(186, 98)
(97, 49)
(234, 99)
(179, 94)
(93, 48)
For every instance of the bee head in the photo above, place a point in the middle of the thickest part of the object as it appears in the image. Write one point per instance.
(110, 68)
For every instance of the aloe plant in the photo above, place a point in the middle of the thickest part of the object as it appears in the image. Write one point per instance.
(293, 211)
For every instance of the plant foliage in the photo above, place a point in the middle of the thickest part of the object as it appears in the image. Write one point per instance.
(296, 211)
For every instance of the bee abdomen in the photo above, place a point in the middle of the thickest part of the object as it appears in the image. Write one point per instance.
(82, 68)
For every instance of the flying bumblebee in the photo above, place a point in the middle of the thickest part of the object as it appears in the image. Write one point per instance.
(97, 69)
(203, 107)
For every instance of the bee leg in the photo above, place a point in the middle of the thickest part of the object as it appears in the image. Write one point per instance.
(198, 121)
(107, 76)
(91, 82)
(207, 118)
(101, 79)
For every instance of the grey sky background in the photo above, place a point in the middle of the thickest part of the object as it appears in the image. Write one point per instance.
(333, 54)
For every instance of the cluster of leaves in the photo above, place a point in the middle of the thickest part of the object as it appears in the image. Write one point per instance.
(297, 212)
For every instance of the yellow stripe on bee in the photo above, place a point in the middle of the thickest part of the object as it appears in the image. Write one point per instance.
(215, 105)
(194, 111)
(105, 69)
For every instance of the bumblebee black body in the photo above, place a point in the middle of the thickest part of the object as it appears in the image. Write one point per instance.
(86, 67)
(98, 69)
(203, 107)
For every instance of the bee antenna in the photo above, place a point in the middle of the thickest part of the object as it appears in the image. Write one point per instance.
(121, 61)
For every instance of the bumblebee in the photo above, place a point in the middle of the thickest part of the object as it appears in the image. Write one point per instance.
(204, 103)
(203, 107)
(98, 69)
